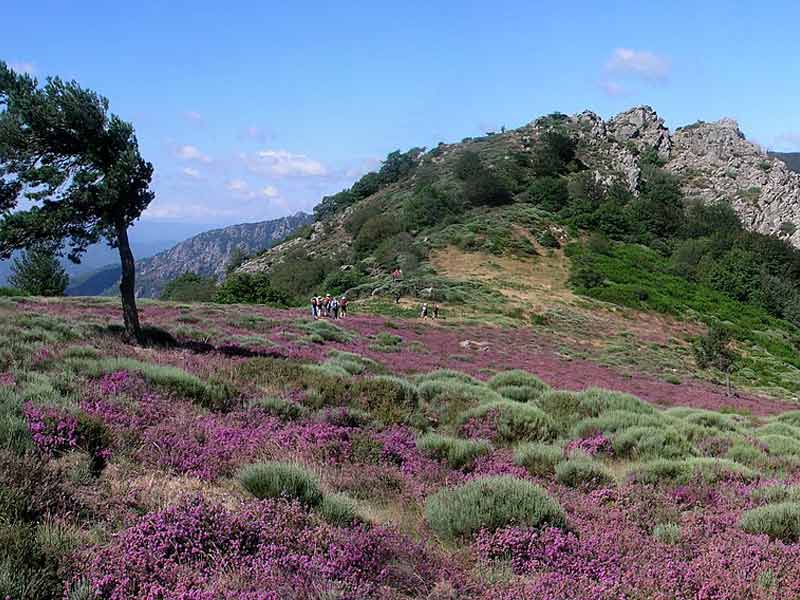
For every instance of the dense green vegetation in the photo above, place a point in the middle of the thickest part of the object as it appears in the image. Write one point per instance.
(38, 272)
(190, 287)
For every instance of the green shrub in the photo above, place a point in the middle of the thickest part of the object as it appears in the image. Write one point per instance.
(539, 459)
(490, 504)
(285, 410)
(651, 442)
(779, 428)
(772, 494)
(613, 421)
(391, 399)
(325, 331)
(704, 418)
(250, 288)
(780, 521)
(781, 445)
(190, 287)
(519, 393)
(28, 570)
(667, 533)
(517, 377)
(457, 452)
(353, 363)
(338, 509)
(595, 401)
(744, 453)
(563, 407)
(514, 422)
(711, 470)
(583, 473)
(276, 479)
(791, 417)
(446, 374)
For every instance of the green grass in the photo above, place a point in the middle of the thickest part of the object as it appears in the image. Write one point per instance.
(490, 504)
(281, 479)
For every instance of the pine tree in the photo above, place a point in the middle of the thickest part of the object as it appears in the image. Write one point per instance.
(39, 273)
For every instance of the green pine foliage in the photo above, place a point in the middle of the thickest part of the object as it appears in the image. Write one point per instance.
(38, 273)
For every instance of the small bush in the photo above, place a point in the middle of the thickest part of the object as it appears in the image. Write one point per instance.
(651, 442)
(781, 445)
(595, 401)
(490, 504)
(338, 509)
(539, 459)
(614, 421)
(711, 470)
(276, 479)
(285, 410)
(563, 407)
(446, 374)
(779, 428)
(519, 393)
(324, 331)
(667, 533)
(514, 422)
(791, 417)
(704, 418)
(457, 452)
(744, 453)
(780, 521)
(353, 363)
(391, 399)
(772, 494)
(517, 377)
(583, 473)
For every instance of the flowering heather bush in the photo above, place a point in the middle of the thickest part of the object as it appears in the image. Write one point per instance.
(113, 383)
(53, 431)
(270, 550)
(8, 379)
(591, 446)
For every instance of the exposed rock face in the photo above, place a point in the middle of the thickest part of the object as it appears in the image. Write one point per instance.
(208, 253)
(644, 129)
(716, 163)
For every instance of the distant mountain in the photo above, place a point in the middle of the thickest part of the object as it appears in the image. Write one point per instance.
(792, 159)
(96, 283)
(208, 253)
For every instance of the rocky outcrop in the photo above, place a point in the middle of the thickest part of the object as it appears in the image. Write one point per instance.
(209, 253)
(641, 128)
(716, 163)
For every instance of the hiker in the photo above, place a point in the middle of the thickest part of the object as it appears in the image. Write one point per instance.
(435, 311)
(334, 308)
(343, 307)
(424, 312)
(315, 308)
(397, 295)
(326, 305)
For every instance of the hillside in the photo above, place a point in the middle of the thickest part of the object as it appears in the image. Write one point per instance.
(374, 458)
(96, 283)
(209, 253)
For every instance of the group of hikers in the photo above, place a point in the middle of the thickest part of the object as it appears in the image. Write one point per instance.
(429, 313)
(329, 306)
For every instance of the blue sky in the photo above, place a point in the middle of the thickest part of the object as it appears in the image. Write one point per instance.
(252, 110)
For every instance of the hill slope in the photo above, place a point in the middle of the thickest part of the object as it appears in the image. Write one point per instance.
(208, 253)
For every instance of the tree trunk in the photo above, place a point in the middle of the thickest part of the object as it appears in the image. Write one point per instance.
(127, 285)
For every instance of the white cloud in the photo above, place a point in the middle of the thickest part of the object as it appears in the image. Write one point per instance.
(190, 172)
(23, 67)
(639, 63)
(270, 192)
(282, 163)
(189, 152)
(186, 211)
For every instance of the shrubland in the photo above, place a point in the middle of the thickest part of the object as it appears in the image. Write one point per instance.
(133, 471)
